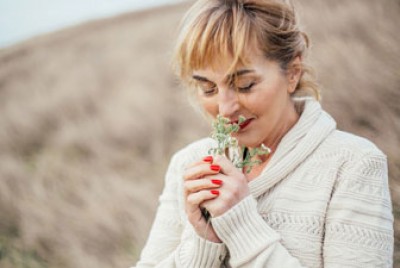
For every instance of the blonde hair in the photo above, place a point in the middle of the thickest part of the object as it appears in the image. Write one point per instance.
(212, 29)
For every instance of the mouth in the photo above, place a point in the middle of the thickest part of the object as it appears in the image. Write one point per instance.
(244, 124)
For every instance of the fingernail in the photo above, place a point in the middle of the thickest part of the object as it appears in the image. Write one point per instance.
(208, 159)
(215, 168)
(217, 182)
(215, 192)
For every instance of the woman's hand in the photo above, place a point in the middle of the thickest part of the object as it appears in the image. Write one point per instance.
(216, 185)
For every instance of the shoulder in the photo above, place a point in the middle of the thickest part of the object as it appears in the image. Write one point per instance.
(362, 166)
(192, 152)
(354, 158)
(351, 147)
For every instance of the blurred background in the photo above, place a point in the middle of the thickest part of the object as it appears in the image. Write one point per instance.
(90, 115)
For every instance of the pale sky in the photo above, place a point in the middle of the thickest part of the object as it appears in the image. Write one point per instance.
(22, 19)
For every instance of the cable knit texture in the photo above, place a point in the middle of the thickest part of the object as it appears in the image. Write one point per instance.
(322, 201)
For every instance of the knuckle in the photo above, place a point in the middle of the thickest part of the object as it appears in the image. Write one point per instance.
(242, 178)
(228, 196)
(187, 187)
(233, 191)
(191, 199)
(186, 175)
(218, 158)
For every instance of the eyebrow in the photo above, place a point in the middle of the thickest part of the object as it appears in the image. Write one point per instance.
(229, 77)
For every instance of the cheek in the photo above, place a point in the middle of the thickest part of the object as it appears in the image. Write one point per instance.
(266, 100)
(209, 106)
(259, 101)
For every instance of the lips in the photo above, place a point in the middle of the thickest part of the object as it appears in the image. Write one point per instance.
(245, 124)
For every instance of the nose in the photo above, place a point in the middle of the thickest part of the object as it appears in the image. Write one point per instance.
(228, 103)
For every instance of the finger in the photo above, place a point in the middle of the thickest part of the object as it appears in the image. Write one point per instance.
(218, 206)
(205, 159)
(194, 200)
(200, 171)
(226, 165)
(192, 186)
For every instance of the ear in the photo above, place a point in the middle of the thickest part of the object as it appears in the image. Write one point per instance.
(294, 74)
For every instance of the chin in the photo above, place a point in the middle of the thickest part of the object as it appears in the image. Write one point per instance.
(246, 142)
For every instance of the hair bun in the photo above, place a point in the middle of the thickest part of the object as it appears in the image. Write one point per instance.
(306, 39)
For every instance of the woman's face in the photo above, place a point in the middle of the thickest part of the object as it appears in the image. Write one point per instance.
(260, 92)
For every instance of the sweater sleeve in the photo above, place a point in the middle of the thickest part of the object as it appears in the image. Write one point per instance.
(359, 224)
(250, 240)
(358, 230)
(171, 243)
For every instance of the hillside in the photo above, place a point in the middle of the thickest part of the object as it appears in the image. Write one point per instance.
(90, 115)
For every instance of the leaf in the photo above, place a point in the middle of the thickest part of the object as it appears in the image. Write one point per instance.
(241, 119)
(222, 133)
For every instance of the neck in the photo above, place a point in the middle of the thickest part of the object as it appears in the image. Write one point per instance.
(273, 140)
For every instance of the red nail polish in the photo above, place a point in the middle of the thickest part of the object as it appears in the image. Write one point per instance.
(215, 192)
(217, 182)
(208, 159)
(215, 168)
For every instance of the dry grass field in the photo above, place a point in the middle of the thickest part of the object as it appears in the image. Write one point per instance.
(90, 115)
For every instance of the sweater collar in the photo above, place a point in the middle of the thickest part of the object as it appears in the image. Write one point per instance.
(313, 126)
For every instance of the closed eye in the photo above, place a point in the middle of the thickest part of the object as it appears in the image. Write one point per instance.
(205, 86)
(246, 88)
(209, 90)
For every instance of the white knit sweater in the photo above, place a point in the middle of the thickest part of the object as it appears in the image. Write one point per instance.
(322, 201)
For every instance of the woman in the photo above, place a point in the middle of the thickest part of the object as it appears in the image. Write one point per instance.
(319, 199)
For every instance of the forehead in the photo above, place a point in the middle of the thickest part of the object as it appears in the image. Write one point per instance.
(221, 54)
(221, 68)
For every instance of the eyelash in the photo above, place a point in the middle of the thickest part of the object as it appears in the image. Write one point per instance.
(246, 89)
(211, 90)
